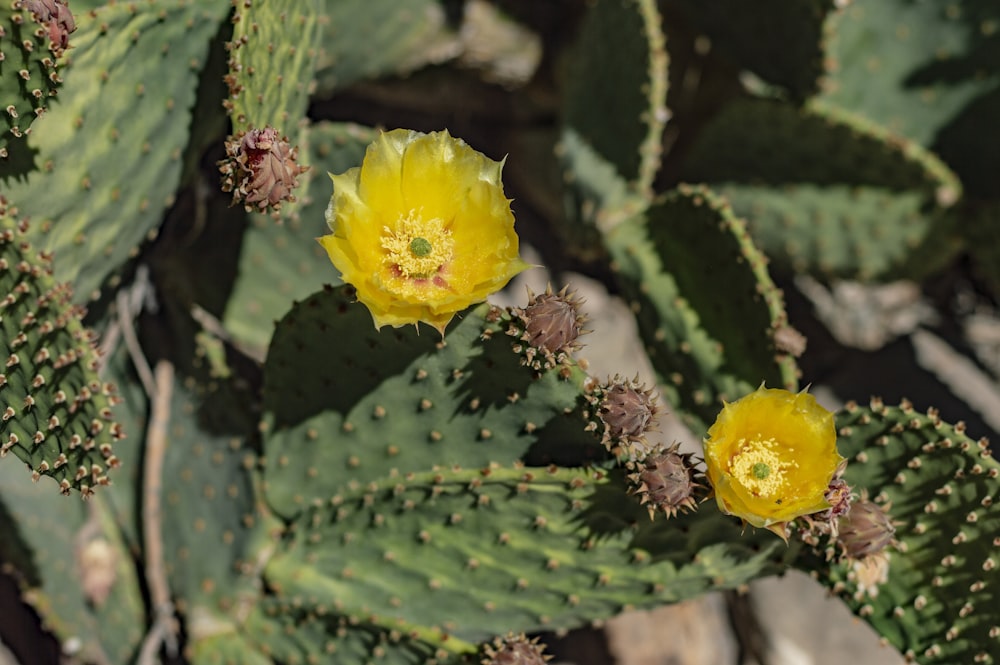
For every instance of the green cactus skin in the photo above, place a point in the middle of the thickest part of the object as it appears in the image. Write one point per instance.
(940, 602)
(407, 506)
(29, 77)
(411, 398)
(779, 41)
(209, 507)
(57, 416)
(944, 97)
(827, 192)
(279, 264)
(106, 171)
(227, 648)
(272, 61)
(883, 45)
(49, 545)
(305, 636)
(469, 553)
(771, 142)
(706, 307)
(617, 88)
(364, 39)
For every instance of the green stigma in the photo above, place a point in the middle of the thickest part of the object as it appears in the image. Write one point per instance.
(761, 471)
(420, 247)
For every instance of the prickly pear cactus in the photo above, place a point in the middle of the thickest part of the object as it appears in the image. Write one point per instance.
(299, 486)
(376, 531)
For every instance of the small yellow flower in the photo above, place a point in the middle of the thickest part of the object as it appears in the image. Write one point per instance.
(422, 228)
(770, 457)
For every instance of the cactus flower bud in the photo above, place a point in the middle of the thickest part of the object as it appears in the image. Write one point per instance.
(628, 411)
(548, 327)
(515, 650)
(57, 19)
(260, 169)
(553, 321)
(866, 529)
(667, 480)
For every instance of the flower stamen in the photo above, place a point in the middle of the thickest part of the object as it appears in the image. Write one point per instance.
(758, 467)
(417, 248)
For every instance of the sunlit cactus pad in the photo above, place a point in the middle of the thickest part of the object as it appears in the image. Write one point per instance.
(56, 410)
(939, 603)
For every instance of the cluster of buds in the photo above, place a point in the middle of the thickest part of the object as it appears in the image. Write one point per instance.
(56, 19)
(667, 480)
(547, 330)
(514, 650)
(860, 532)
(260, 169)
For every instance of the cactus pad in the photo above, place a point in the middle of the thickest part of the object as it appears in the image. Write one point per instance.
(616, 101)
(824, 190)
(340, 402)
(706, 307)
(939, 603)
(29, 73)
(57, 416)
(450, 554)
(779, 41)
(72, 567)
(272, 59)
(369, 38)
(110, 162)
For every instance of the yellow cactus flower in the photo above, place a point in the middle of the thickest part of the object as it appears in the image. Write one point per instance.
(770, 457)
(422, 228)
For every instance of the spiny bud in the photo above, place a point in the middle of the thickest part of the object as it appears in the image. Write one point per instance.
(628, 410)
(667, 480)
(57, 19)
(260, 169)
(553, 321)
(866, 529)
(548, 328)
(514, 650)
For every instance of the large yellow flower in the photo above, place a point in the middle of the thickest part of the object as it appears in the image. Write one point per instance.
(422, 228)
(770, 457)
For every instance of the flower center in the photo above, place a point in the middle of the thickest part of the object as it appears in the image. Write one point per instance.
(758, 467)
(417, 247)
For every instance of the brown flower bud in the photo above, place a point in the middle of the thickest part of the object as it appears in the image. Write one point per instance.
(515, 650)
(627, 410)
(57, 20)
(548, 328)
(553, 321)
(260, 169)
(667, 480)
(866, 529)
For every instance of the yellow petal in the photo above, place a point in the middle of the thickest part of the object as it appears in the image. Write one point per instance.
(770, 457)
(426, 193)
